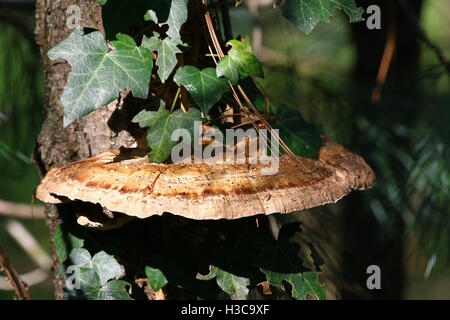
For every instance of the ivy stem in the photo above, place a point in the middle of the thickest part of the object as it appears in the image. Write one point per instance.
(175, 99)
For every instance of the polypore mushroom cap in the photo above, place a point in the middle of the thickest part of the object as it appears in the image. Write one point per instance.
(131, 185)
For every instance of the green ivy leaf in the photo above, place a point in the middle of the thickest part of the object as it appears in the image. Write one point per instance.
(89, 284)
(227, 69)
(301, 137)
(106, 267)
(167, 50)
(161, 124)
(240, 59)
(63, 246)
(95, 276)
(204, 86)
(124, 41)
(306, 14)
(80, 257)
(282, 261)
(236, 287)
(92, 289)
(155, 277)
(171, 12)
(97, 75)
(114, 290)
(302, 283)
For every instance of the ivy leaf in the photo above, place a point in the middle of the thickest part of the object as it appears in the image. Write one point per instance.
(306, 14)
(114, 290)
(97, 75)
(227, 69)
(171, 12)
(94, 277)
(240, 59)
(89, 284)
(167, 50)
(236, 287)
(302, 283)
(161, 124)
(155, 277)
(106, 267)
(63, 246)
(204, 86)
(282, 260)
(92, 289)
(124, 41)
(301, 137)
(80, 257)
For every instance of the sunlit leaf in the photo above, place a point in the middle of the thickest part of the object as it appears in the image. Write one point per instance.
(97, 75)
(306, 14)
(93, 289)
(171, 12)
(80, 257)
(106, 267)
(239, 59)
(227, 69)
(93, 277)
(167, 50)
(161, 125)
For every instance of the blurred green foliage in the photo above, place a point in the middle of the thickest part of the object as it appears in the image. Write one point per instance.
(21, 96)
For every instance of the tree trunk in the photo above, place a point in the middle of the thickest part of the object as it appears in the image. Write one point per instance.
(57, 146)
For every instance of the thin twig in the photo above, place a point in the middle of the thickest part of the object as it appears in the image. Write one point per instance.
(18, 284)
(175, 99)
(389, 49)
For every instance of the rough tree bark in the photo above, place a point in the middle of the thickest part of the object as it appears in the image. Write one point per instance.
(87, 136)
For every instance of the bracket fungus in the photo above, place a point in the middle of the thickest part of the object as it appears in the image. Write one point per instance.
(128, 183)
